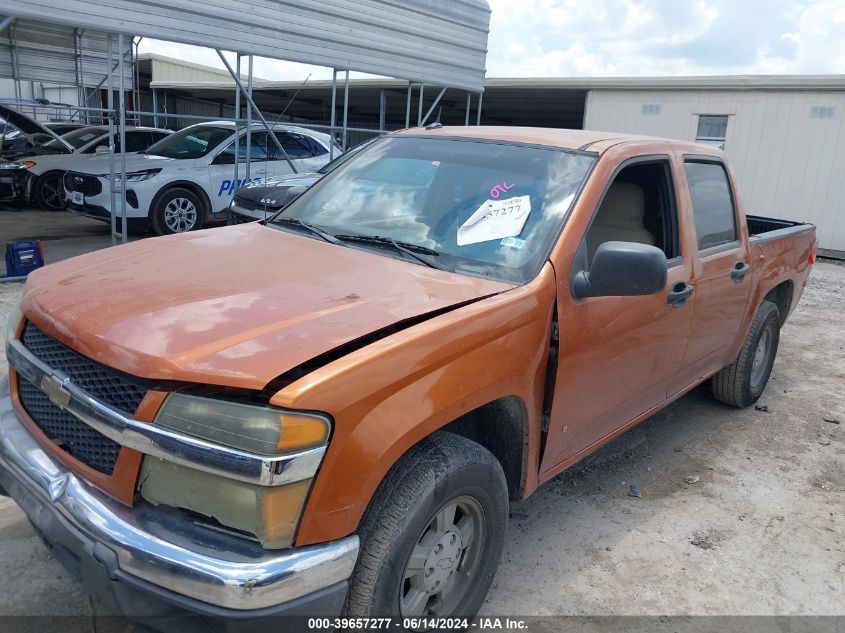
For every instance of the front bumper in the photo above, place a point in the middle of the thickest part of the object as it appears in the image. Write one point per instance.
(148, 561)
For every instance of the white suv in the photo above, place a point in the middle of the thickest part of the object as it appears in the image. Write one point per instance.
(188, 178)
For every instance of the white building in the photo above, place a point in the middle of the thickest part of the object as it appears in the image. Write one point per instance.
(785, 137)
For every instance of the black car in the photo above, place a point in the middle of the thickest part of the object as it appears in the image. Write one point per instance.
(259, 200)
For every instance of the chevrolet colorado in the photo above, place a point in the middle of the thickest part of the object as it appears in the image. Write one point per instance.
(334, 420)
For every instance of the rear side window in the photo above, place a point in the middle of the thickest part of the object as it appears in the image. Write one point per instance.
(712, 203)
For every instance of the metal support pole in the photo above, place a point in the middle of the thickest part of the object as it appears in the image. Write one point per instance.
(469, 105)
(237, 121)
(419, 108)
(408, 107)
(382, 107)
(6, 23)
(248, 117)
(155, 107)
(433, 105)
(110, 106)
(122, 105)
(345, 109)
(255, 108)
(478, 115)
(334, 113)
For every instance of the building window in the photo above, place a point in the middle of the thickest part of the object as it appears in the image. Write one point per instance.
(822, 112)
(712, 129)
(650, 109)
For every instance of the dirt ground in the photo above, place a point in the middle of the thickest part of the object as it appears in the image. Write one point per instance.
(742, 512)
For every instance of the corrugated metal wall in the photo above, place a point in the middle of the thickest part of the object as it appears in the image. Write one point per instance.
(790, 162)
(440, 42)
(47, 53)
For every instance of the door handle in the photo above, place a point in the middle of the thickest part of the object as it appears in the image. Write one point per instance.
(739, 271)
(679, 294)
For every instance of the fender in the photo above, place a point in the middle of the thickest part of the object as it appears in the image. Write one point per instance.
(187, 184)
(389, 395)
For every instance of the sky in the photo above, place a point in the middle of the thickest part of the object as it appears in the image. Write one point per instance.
(620, 38)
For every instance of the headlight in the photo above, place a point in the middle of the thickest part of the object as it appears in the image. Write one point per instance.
(270, 513)
(13, 320)
(18, 164)
(135, 176)
(251, 428)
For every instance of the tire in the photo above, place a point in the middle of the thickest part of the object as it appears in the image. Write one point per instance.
(742, 382)
(50, 191)
(177, 210)
(409, 513)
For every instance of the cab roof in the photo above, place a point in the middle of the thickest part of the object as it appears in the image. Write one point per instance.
(585, 140)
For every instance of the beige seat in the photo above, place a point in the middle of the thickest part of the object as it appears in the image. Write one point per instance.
(620, 218)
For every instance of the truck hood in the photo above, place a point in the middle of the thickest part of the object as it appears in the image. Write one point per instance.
(234, 306)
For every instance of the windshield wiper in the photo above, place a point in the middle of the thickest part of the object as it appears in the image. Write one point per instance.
(310, 227)
(411, 250)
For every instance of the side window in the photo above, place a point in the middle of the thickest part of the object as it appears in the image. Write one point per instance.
(294, 147)
(712, 203)
(257, 150)
(137, 141)
(313, 145)
(639, 206)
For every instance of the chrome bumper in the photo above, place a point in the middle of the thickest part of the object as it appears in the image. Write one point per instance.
(155, 547)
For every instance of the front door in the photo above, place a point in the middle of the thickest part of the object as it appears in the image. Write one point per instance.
(618, 355)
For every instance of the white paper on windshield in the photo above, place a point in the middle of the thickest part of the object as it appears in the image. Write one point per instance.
(494, 220)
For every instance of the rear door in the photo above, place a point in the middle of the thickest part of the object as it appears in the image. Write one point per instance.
(723, 276)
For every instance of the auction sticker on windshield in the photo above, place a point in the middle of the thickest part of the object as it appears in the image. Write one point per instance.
(494, 220)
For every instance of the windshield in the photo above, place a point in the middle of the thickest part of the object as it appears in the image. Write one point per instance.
(192, 142)
(486, 208)
(338, 161)
(78, 138)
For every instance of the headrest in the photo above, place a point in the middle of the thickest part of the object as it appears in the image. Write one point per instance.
(623, 206)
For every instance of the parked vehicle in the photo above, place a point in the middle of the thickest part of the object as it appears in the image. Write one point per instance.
(328, 411)
(39, 176)
(258, 200)
(187, 179)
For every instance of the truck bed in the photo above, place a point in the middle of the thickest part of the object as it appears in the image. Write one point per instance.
(764, 229)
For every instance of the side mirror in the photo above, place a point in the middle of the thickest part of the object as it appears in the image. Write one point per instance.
(622, 269)
(102, 149)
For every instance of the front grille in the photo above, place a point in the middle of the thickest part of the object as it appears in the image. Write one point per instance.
(89, 446)
(102, 383)
(84, 183)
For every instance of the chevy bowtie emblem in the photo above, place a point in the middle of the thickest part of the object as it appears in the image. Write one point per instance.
(54, 389)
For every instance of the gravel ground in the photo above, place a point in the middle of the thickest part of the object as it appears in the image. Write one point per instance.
(742, 512)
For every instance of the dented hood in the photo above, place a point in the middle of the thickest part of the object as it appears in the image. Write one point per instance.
(232, 306)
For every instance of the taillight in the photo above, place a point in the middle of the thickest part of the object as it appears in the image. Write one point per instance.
(814, 249)
(40, 249)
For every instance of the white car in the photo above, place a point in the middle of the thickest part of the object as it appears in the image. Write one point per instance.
(188, 178)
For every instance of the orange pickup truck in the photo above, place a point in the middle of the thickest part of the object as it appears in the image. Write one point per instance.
(327, 412)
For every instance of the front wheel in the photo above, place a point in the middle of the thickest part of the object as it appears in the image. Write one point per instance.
(742, 382)
(178, 210)
(50, 191)
(432, 536)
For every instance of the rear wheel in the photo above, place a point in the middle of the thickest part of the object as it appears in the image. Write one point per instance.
(433, 534)
(742, 382)
(50, 191)
(178, 210)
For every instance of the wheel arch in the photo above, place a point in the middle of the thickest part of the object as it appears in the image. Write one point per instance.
(191, 186)
(781, 295)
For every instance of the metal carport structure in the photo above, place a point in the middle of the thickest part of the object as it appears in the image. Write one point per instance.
(440, 43)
